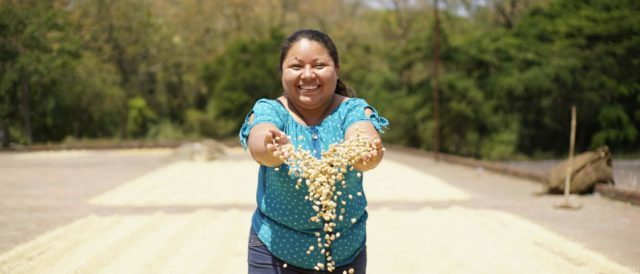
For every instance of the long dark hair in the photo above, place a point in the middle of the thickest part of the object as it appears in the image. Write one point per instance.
(323, 39)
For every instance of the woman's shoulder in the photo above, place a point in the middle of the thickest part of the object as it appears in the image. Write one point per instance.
(267, 101)
(350, 102)
(272, 105)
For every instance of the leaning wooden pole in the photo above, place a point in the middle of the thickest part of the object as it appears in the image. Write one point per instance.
(567, 178)
(572, 142)
(436, 78)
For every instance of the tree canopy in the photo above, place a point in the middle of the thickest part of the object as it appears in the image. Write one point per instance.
(510, 70)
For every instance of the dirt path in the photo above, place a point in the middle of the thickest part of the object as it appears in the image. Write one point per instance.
(146, 212)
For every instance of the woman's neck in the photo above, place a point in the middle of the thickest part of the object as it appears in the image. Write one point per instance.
(311, 117)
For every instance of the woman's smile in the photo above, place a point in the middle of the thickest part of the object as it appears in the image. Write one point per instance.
(308, 87)
(308, 90)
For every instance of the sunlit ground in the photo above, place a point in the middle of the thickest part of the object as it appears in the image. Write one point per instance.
(193, 217)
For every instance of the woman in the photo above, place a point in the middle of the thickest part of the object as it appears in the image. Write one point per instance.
(315, 111)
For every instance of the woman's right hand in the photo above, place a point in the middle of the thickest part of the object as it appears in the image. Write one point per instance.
(273, 140)
(264, 141)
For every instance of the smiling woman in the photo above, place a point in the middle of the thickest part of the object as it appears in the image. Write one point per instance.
(315, 112)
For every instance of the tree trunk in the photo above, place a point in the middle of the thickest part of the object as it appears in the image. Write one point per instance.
(25, 112)
(436, 78)
(4, 136)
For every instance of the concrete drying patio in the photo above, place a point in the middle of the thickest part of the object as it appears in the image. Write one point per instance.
(146, 211)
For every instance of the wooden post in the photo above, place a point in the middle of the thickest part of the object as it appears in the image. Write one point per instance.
(567, 178)
(572, 141)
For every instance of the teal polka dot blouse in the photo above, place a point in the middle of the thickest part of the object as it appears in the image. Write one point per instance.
(281, 219)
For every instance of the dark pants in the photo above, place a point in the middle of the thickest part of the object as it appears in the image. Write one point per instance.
(262, 262)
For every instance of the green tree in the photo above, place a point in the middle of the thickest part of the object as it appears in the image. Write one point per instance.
(37, 56)
(582, 53)
(139, 118)
(246, 72)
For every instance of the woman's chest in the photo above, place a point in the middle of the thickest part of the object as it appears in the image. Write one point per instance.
(315, 139)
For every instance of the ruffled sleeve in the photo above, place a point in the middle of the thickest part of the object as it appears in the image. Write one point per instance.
(355, 113)
(264, 111)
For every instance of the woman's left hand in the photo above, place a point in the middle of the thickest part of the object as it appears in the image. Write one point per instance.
(373, 154)
(371, 159)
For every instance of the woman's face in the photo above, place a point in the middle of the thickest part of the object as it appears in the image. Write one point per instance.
(309, 76)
